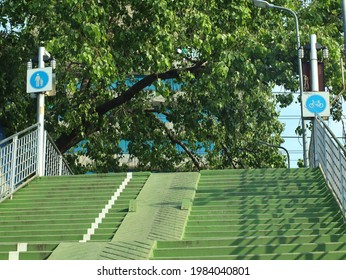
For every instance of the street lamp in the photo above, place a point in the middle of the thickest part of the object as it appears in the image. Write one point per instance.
(265, 4)
(262, 4)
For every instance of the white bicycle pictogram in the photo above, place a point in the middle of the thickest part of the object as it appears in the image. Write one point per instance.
(317, 104)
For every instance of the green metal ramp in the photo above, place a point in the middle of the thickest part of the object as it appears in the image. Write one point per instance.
(157, 215)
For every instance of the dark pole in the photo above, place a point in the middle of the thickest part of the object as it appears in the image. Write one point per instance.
(343, 8)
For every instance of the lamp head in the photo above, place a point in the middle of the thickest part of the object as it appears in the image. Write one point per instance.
(262, 4)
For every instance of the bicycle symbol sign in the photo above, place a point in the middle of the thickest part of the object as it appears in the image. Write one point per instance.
(316, 104)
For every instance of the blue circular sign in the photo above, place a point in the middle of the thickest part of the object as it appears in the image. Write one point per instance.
(39, 79)
(316, 104)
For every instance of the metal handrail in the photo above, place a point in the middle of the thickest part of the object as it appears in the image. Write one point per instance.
(8, 139)
(327, 153)
(55, 163)
(19, 160)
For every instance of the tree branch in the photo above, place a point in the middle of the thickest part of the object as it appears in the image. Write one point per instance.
(70, 139)
(229, 156)
(143, 83)
(175, 140)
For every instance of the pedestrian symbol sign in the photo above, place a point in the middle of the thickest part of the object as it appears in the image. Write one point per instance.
(39, 80)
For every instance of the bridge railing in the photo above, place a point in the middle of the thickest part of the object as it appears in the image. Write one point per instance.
(19, 160)
(55, 163)
(329, 154)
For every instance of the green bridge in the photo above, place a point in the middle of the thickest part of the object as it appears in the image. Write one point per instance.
(267, 214)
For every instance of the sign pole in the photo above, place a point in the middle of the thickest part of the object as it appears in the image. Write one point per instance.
(40, 81)
(343, 8)
(314, 63)
(40, 119)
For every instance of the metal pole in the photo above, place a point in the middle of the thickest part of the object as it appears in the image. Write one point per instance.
(265, 4)
(343, 8)
(301, 86)
(40, 118)
(314, 63)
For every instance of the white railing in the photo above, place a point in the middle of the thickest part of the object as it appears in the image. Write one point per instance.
(55, 163)
(19, 160)
(329, 154)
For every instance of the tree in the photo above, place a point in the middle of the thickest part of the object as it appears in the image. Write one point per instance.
(111, 54)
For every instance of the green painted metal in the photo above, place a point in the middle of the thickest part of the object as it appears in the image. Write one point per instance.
(260, 214)
(186, 204)
(232, 214)
(132, 205)
(158, 216)
(134, 250)
(61, 209)
(77, 251)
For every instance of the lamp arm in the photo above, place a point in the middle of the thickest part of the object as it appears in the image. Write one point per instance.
(295, 18)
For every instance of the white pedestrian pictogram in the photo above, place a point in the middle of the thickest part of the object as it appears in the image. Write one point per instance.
(38, 81)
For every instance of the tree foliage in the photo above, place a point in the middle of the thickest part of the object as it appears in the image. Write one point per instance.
(224, 56)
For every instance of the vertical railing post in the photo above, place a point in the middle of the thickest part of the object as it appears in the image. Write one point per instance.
(315, 137)
(60, 165)
(38, 159)
(13, 164)
(44, 151)
(342, 186)
(325, 154)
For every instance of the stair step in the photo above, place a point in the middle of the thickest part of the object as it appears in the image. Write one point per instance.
(219, 209)
(265, 202)
(35, 255)
(337, 255)
(261, 216)
(269, 194)
(43, 232)
(41, 238)
(265, 220)
(30, 226)
(253, 240)
(252, 249)
(121, 204)
(6, 247)
(230, 227)
(249, 233)
(255, 185)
